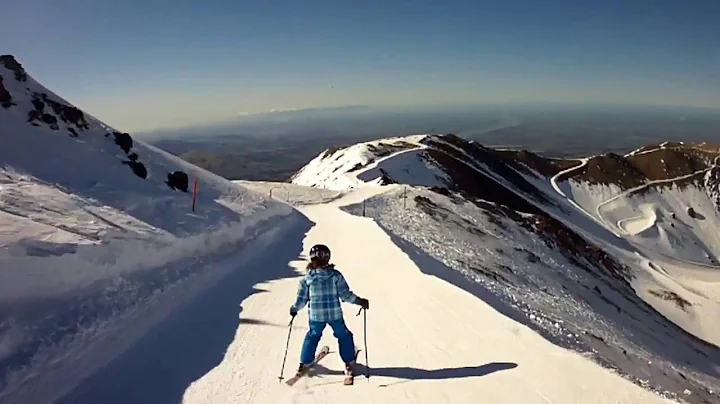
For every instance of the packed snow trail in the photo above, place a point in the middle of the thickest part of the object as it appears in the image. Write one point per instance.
(429, 341)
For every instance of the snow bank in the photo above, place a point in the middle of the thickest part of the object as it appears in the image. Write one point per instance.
(90, 229)
(74, 338)
(296, 195)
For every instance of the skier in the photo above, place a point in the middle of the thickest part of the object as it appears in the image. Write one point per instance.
(323, 287)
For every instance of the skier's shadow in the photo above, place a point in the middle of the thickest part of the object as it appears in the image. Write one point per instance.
(410, 374)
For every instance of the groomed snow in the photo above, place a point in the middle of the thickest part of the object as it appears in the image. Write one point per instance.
(291, 193)
(638, 224)
(428, 340)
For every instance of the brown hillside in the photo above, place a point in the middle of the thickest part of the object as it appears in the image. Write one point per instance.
(545, 166)
(609, 169)
(666, 163)
(468, 180)
(670, 161)
(474, 155)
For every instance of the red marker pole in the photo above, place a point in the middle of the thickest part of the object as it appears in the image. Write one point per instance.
(195, 186)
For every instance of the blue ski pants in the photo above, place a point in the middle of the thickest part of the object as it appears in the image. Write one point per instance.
(340, 331)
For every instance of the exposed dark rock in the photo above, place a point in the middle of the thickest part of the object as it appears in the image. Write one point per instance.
(477, 159)
(138, 168)
(5, 97)
(67, 113)
(124, 140)
(385, 149)
(73, 132)
(178, 180)
(441, 190)
(50, 120)
(38, 104)
(12, 64)
(358, 166)
(33, 115)
(385, 178)
(712, 186)
(671, 296)
(470, 181)
(575, 248)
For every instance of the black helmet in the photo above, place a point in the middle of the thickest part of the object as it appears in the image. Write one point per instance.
(321, 253)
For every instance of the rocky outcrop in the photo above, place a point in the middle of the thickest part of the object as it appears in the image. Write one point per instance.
(9, 62)
(124, 140)
(49, 116)
(138, 168)
(5, 97)
(712, 186)
(385, 178)
(178, 180)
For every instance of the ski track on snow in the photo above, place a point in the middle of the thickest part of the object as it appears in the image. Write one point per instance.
(428, 341)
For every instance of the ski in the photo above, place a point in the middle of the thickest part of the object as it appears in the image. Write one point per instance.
(323, 353)
(350, 379)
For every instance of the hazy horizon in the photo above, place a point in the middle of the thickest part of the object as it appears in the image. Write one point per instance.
(140, 66)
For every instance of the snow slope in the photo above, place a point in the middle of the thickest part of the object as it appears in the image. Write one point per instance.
(90, 232)
(542, 287)
(513, 223)
(678, 270)
(428, 340)
(383, 161)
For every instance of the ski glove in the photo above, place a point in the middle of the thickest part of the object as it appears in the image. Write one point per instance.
(293, 312)
(364, 303)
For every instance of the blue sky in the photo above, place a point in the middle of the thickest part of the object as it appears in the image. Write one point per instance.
(149, 64)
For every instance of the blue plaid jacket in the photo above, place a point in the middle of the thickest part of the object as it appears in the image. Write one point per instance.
(323, 288)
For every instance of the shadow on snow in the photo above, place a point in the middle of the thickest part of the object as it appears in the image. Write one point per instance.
(410, 373)
(193, 340)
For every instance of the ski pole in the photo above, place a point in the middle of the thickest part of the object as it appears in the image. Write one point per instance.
(367, 365)
(280, 378)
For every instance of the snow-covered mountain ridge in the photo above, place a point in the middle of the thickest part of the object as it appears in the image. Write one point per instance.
(546, 235)
(95, 224)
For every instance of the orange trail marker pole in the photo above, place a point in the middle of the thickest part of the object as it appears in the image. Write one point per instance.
(195, 186)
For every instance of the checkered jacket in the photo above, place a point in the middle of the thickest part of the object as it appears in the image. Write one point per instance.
(323, 288)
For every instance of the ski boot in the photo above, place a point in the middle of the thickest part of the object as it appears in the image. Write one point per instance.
(304, 369)
(349, 373)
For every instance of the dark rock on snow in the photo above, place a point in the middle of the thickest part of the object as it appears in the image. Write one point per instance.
(178, 180)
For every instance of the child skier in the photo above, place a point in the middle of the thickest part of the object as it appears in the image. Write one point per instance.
(323, 287)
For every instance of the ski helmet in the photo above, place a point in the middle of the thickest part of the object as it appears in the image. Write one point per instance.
(320, 252)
